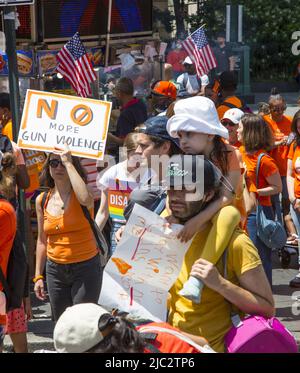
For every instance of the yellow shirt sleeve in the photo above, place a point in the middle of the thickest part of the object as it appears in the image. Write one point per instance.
(223, 225)
(243, 255)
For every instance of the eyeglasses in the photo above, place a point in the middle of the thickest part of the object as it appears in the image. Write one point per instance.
(53, 163)
(228, 123)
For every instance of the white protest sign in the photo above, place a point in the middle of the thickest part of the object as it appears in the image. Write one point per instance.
(51, 120)
(144, 266)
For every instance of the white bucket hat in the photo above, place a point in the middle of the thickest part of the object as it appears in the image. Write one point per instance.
(196, 114)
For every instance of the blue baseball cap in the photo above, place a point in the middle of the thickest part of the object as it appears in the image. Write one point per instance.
(157, 126)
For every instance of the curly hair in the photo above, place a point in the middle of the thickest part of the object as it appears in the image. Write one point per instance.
(122, 338)
(7, 176)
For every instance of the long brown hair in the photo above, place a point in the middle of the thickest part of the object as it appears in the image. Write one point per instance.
(7, 176)
(46, 179)
(294, 127)
(257, 134)
(219, 155)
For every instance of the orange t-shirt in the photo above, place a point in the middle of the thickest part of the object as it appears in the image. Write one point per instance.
(69, 237)
(7, 130)
(279, 130)
(294, 155)
(221, 109)
(267, 168)
(8, 227)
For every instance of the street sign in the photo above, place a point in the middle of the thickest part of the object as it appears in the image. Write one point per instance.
(16, 2)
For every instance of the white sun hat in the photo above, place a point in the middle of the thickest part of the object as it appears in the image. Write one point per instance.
(196, 114)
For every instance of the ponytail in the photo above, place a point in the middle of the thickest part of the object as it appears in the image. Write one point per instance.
(121, 338)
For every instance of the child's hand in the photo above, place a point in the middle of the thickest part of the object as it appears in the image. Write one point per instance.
(190, 228)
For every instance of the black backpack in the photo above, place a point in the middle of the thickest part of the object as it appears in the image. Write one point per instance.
(5, 144)
(15, 283)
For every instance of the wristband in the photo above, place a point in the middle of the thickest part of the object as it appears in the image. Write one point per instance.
(35, 279)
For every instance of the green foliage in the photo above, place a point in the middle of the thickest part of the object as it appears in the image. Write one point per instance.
(165, 17)
(268, 27)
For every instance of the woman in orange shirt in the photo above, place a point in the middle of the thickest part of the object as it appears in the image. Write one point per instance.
(8, 227)
(256, 138)
(293, 183)
(65, 238)
(280, 125)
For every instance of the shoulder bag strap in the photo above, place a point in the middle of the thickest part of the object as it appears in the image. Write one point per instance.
(92, 225)
(258, 167)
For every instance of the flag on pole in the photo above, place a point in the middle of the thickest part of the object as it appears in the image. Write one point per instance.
(197, 47)
(75, 66)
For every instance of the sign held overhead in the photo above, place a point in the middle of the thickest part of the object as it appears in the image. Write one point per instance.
(51, 120)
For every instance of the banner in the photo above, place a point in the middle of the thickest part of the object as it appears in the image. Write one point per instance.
(51, 120)
(47, 61)
(144, 266)
(25, 60)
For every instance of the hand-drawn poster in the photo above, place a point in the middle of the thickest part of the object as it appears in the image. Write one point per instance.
(144, 266)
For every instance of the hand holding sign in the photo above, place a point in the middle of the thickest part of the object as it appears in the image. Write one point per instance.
(65, 154)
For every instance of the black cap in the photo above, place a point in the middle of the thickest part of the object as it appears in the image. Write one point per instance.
(157, 127)
(184, 170)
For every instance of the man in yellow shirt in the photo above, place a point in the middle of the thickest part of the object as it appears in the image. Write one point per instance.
(245, 287)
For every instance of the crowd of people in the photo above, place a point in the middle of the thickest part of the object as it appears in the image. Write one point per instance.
(251, 164)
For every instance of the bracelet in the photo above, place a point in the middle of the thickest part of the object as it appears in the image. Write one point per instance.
(35, 279)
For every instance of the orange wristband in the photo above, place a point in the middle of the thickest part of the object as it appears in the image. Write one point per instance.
(35, 279)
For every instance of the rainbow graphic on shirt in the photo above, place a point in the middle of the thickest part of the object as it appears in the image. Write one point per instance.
(118, 200)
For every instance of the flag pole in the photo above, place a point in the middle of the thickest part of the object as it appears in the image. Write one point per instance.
(204, 24)
(108, 32)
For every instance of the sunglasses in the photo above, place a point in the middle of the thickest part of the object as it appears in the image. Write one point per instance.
(228, 123)
(53, 163)
(278, 109)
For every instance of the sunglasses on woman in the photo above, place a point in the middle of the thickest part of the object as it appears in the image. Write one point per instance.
(278, 109)
(228, 123)
(53, 163)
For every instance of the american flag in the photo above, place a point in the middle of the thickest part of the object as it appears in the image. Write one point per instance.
(75, 66)
(200, 52)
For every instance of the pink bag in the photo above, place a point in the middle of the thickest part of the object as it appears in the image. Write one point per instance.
(256, 334)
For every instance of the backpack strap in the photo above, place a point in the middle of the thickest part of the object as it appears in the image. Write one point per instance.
(159, 329)
(44, 199)
(87, 215)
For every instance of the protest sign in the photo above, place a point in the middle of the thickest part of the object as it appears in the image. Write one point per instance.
(144, 266)
(51, 120)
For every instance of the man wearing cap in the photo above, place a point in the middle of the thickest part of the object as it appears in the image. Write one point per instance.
(153, 140)
(163, 93)
(133, 111)
(231, 121)
(190, 83)
(245, 285)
